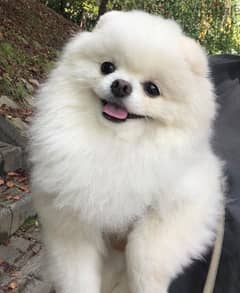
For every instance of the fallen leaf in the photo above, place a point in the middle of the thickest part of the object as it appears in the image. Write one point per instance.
(13, 197)
(10, 184)
(23, 187)
(16, 197)
(12, 285)
(12, 174)
(34, 82)
(22, 179)
(2, 182)
(2, 261)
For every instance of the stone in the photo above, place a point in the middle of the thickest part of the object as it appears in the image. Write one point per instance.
(25, 160)
(21, 210)
(33, 272)
(19, 243)
(35, 235)
(29, 273)
(13, 131)
(36, 286)
(1, 166)
(11, 157)
(29, 101)
(14, 214)
(34, 82)
(25, 261)
(9, 254)
(19, 124)
(9, 102)
(5, 223)
(28, 85)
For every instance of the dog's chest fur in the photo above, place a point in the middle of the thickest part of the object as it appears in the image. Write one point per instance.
(117, 183)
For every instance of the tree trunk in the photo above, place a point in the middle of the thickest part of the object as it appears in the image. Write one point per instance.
(102, 7)
(62, 7)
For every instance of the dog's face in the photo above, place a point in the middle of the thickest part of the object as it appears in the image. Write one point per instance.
(136, 70)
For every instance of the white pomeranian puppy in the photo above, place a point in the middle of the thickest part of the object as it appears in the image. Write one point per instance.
(120, 146)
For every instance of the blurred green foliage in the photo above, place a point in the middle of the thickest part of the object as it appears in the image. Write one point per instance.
(214, 23)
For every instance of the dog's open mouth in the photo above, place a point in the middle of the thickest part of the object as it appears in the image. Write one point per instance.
(117, 113)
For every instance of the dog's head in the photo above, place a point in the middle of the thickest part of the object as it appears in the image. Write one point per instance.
(135, 70)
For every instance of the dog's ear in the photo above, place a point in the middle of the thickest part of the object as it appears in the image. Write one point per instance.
(195, 56)
(106, 17)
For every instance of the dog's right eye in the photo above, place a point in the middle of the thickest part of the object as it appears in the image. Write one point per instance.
(107, 67)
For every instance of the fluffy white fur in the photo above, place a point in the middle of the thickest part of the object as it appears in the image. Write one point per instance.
(155, 180)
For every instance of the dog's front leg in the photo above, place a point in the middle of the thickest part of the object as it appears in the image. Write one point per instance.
(75, 264)
(158, 248)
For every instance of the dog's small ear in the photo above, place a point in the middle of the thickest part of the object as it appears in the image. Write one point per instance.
(106, 17)
(195, 56)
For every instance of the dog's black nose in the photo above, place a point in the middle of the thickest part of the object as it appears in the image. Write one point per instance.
(121, 88)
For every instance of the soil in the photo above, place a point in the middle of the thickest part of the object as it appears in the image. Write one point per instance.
(31, 37)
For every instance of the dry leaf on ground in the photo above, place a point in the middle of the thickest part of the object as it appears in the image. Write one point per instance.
(12, 285)
(10, 184)
(13, 174)
(13, 197)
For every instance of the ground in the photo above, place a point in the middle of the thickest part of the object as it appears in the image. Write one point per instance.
(22, 254)
(31, 36)
(21, 261)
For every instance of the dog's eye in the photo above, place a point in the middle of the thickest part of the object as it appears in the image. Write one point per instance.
(151, 89)
(107, 67)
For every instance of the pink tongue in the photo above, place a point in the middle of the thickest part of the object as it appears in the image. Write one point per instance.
(115, 111)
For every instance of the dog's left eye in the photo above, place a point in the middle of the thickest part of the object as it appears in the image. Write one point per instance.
(107, 67)
(151, 89)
